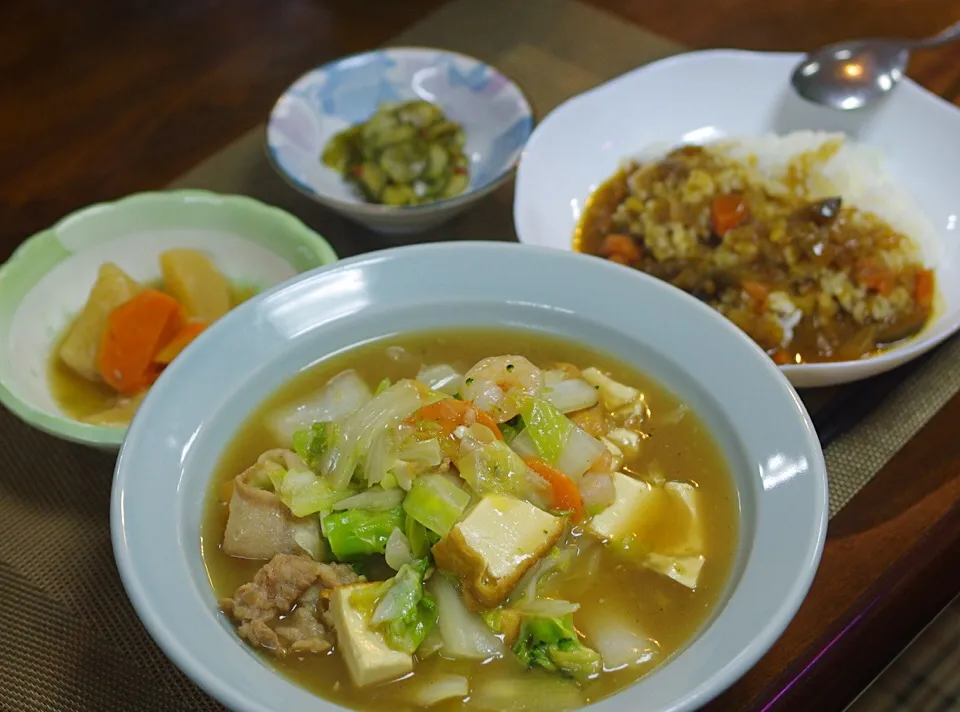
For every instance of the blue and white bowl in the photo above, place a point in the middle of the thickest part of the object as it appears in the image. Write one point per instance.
(492, 109)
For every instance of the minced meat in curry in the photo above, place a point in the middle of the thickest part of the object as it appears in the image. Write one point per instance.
(808, 280)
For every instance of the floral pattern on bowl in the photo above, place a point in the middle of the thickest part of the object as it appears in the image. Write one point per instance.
(496, 117)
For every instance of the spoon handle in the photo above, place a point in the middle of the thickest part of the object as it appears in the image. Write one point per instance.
(950, 34)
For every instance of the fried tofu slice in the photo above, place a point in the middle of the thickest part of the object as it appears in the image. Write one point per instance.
(494, 545)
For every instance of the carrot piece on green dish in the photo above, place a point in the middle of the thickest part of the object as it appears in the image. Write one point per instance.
(178, 343)
(136, 332)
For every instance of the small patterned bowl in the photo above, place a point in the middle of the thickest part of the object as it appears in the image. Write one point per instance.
(493, 111)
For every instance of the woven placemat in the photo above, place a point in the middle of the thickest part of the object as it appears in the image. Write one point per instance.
(69, 639)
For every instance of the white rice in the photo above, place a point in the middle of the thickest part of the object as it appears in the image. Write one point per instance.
(857, 173)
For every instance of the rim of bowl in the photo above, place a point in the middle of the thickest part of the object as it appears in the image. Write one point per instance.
(376, 209)
(63, 426)
(733, 670)
(914, 346)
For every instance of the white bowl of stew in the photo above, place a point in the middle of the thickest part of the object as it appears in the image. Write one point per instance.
(841, 266)
(551, 498)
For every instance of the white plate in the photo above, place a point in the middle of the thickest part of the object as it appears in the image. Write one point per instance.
(701, 96)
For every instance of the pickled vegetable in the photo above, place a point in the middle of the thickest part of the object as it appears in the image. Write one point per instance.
(405, 154)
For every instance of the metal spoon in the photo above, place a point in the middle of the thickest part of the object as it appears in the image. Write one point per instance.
(853, 74)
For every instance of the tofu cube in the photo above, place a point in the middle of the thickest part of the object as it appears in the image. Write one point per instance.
(494, 546)
(686, 499)
(684, 570)
(634, 501)
(369, 659)
(663, 522)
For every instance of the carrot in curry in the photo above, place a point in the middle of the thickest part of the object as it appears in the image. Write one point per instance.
(727, 211)
(178, 343)
(566, 496)
(758, 292)
(136, 331)
(923, 288)
(620, 248)
(872, 273)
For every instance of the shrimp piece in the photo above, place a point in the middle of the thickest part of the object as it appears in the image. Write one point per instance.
(499, 385)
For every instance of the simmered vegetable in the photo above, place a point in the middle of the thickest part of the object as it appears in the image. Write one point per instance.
(136, 332)
(127, 334)
(407, 154)
(80, 350)
(196, 283)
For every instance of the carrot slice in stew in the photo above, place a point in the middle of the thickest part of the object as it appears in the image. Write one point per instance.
(179, 342)
(136, 331)
(727, 211)
(923, 288)
(566, 496)
(451, 413)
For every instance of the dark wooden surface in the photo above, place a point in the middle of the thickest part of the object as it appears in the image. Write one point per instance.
(99, 98)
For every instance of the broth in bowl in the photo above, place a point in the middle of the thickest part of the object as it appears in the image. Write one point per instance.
(470, 520)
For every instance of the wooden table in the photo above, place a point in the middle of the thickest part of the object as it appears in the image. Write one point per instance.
(104, 98)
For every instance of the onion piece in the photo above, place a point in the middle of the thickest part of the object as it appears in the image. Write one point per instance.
(464, 634)
(675, 415)
(581, 452)
(613, 393)
(441, 377)
(523, 445)
(439, 688)
(341, 396)
(548, 608)
(618, 642)
(572, 395)
(397, 551)
(432, 643)
(597, 491)
(627, 440)
(375, 499)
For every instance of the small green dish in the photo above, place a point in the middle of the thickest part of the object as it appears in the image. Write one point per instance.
(46, 281)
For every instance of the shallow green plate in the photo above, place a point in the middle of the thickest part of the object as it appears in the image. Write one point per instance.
(46, 281)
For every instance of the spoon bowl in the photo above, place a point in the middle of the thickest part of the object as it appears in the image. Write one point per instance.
(850, 75)
(853, 74)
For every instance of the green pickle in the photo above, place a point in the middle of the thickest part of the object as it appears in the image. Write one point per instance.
(405, 154)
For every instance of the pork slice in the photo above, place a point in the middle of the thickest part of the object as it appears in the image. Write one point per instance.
(281, 610)
(259, 525)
